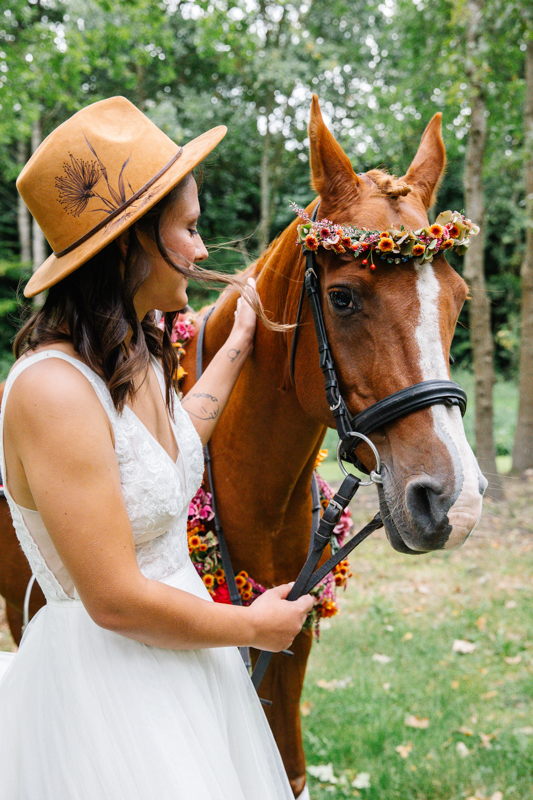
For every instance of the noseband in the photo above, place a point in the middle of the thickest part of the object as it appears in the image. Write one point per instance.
(352, 430)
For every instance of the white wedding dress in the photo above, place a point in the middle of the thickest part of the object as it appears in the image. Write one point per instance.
(88, 714)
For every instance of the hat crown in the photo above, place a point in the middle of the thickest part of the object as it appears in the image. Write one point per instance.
(90, 166)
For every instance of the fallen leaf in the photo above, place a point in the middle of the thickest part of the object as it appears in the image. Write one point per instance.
(513, 659)
(463, 646)
(465, 731)
(528, 730)
(486, 740)
(511, 604)
(412, 721)
(407, 636)
(496, 796)
(454, 684)
(381, 659)
(323, 772)
(404, 749)
(481, 623)
(423, 589)
(386, 686)
(361, 781)
(489, 695)
(336, 683)
(305, 708)
(462, 749)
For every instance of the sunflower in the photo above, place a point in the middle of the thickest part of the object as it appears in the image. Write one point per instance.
(194, 541)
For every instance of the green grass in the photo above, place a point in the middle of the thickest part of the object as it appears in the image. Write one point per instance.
(412, 610)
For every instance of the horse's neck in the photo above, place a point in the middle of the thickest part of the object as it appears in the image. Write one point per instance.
(264, 421)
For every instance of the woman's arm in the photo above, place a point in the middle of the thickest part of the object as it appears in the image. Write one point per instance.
(206, 401)
(61, 460)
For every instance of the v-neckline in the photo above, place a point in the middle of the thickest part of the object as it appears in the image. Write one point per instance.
(172, 427)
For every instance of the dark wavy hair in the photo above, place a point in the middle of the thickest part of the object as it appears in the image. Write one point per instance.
(93, 308)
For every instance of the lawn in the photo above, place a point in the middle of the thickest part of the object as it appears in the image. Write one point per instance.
(391, 706)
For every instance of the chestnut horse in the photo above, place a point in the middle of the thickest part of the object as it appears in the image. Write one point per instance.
(389, 328)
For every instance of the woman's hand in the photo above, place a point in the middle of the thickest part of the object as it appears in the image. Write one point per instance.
(241, 338)
(275, 620)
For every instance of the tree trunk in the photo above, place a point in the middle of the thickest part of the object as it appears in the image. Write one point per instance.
(264, 224)
(23, 215)
(479, 308)
(38, 240)
(523, 443)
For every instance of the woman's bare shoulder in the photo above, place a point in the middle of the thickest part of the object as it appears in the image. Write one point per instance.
(52, 388)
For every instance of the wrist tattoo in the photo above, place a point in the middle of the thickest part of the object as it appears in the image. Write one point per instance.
(208, 407)
(232, 354)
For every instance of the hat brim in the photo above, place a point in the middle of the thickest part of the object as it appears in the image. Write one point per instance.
(55, 269)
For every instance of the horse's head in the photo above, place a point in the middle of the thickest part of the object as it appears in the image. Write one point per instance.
(389, 328)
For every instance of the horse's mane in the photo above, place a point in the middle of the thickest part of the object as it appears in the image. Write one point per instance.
(389, 185)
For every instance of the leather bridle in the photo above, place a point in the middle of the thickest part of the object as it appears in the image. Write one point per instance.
(399, 404)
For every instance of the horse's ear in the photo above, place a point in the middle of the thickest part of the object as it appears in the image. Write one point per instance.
(427, 168)
(331, 169)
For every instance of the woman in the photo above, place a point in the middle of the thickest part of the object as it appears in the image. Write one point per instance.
(127, 684)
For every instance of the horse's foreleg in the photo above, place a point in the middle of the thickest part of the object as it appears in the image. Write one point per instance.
(283, 683)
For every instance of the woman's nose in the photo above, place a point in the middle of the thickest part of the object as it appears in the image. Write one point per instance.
(201, 251)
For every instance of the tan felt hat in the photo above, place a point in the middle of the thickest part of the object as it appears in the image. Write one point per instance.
(95, 175)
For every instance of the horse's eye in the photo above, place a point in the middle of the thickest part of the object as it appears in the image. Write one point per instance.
(342, 300)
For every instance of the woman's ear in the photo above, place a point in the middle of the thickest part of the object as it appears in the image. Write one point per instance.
(123, 242)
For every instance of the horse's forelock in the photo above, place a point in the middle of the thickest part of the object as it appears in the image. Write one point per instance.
(389, 185)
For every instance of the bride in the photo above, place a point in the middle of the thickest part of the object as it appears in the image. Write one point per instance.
(128, 684)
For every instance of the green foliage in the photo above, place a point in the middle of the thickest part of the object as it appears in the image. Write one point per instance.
(381, 72)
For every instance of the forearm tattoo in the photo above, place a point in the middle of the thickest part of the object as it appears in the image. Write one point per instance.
(208, 407)
(232, 354)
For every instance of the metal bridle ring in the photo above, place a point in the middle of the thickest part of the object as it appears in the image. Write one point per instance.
(375, 475)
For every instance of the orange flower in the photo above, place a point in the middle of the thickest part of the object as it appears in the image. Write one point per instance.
(338, 248)
(194, 541)
(346, 241)
(385, 245)
(220, 580)
(220, 573)
(246, 596)
(320, 457)
(384, 235)
(240, 580)
(311, 242)
(454, 231)
(208, 580)
(328, 608)
(244, 574)
(419, 249)
(436, 231)
(446, 244)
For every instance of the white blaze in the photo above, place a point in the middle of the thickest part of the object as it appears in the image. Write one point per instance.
(447, 421)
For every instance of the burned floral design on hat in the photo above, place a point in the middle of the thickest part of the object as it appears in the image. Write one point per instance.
(76, 186)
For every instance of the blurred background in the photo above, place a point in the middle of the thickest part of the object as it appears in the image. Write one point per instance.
(381, 70)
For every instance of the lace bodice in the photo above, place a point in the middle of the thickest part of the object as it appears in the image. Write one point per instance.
(156, 491)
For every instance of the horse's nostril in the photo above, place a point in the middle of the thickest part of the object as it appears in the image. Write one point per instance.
(427, 505)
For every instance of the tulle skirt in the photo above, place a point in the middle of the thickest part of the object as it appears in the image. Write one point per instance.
(87, 714)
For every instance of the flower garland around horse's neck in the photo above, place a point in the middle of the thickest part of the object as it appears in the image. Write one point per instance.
(204, 548)
(451, 230)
